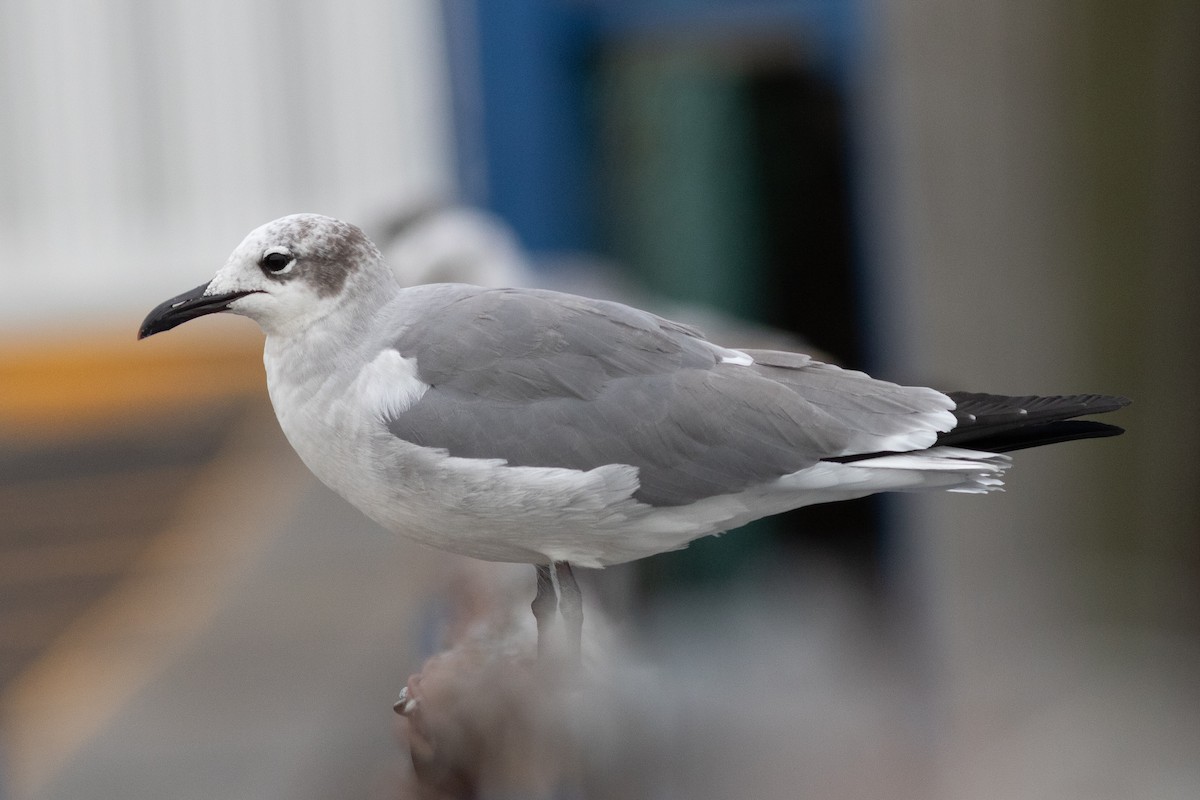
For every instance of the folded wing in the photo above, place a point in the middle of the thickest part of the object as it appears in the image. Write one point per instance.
(547, 380)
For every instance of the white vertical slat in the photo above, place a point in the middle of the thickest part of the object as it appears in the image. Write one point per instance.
(140, 140)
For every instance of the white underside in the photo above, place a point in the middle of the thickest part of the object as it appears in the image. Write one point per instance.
(490, 510)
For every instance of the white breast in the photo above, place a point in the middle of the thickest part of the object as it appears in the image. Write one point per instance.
(333, 420)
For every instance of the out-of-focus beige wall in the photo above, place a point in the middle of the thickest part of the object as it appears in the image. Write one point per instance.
(1040, 185)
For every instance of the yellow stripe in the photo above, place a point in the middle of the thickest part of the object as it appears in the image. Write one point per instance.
(58, 385)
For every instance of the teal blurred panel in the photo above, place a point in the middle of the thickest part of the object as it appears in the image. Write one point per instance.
(682, 194)
(686, 220)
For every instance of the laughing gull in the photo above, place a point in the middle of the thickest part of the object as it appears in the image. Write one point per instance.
(532, 426)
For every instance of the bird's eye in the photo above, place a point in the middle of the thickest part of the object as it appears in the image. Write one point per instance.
(277, 261)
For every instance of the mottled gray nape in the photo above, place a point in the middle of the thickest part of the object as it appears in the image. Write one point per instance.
(547, 380)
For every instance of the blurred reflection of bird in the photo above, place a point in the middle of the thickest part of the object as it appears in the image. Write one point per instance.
(446, 243)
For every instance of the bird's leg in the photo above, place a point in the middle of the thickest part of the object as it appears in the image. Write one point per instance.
(571, 606)
(544, 605)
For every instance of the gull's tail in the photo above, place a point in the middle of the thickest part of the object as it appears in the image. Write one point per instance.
(967, 457)
(998, 423)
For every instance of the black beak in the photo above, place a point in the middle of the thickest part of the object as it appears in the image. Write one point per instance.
(189, 305)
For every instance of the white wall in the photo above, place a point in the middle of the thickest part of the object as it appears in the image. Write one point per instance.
(139, 141)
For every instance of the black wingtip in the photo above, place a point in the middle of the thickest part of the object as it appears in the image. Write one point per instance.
(1000, 423)
(1049, 433)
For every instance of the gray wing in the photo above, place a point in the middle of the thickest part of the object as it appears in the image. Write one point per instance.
(543, 379)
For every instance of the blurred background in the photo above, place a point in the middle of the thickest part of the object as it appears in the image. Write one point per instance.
(993, 196)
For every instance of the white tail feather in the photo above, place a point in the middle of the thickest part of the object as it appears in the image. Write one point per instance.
(951, 468)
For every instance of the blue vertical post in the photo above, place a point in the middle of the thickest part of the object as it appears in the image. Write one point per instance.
(533, 127)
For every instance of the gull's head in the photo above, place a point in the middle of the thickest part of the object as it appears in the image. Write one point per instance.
(285, 275)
